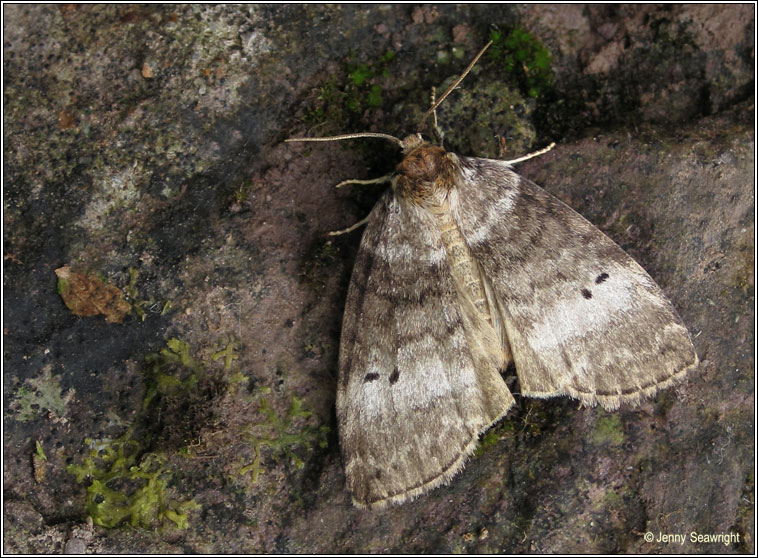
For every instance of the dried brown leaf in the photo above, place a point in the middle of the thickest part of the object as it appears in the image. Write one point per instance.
(88, 295)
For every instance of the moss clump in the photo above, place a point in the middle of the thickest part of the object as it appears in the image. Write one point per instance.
(138, 304)
(127, 486)
(162, 376)
(242, 194)
(128, 479)
(326, 106)
(608, 431)
(490, 439)
(282, 435)
(39, 462)
(182, 393)
(227, 353)
(522, 55)
(362, 89)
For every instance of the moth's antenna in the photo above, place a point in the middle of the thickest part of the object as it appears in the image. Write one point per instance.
(350, 136)
(530, 155)
(453, 86)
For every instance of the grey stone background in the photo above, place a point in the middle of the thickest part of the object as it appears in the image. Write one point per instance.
(150, 138)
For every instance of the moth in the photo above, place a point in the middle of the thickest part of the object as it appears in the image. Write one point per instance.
(466, 268)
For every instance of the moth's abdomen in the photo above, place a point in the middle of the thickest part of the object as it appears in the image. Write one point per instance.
(462, 265)
(426, 176)
(483, 325)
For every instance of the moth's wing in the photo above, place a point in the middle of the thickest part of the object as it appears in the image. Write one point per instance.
(582, 317)
(413, 395)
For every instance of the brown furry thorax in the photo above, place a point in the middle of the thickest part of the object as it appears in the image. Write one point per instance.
(426, 173)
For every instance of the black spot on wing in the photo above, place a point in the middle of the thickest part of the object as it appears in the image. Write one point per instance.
(394, 376)
(600, 278)
(370, 377)
(586, 293)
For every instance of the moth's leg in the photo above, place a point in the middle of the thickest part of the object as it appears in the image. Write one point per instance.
(436, 130)
(531, 155)
(350, 228)
(380, 180)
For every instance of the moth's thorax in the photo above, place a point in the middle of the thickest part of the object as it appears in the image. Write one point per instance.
(426, 175)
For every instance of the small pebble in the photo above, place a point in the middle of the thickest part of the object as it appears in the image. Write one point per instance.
(75, 546)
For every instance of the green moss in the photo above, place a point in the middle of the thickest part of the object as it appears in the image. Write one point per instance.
(242, 194)
(227, 353)
(39, 462)
(182, 393)
(489, 439)
(362, 89)
(523, 56)
(40, 396)
(608, 431)
(238, 379)
(140, 305)
(612, 499)
(39, 452)
(282, 435)
(131, 292)
(361, 74)
(128, 479)
(127, 486)
(162, 375)
(374, 97)
(458, 53)
(327, 105)
(178, 352)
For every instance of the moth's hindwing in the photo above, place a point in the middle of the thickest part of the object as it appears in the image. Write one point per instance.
(582, 317)
(413, 396)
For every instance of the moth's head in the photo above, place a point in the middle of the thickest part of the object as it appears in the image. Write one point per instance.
(426, 175)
